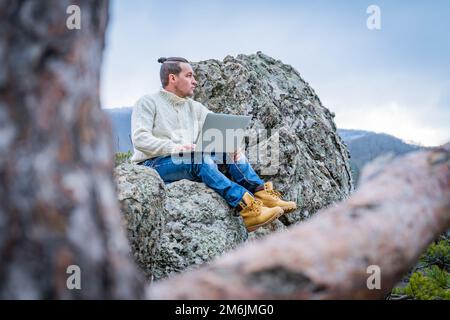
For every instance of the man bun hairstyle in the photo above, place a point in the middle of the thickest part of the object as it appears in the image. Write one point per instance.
(169, 66)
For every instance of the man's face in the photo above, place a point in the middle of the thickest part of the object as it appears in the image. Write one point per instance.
(184, 83)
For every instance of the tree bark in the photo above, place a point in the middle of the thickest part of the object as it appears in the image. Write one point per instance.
(58, 203)
(398, 210)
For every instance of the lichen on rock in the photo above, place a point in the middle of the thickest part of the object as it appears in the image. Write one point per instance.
(313, 165)
(177, 226)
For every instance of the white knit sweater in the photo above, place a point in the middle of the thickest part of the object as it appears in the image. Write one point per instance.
(162, 121)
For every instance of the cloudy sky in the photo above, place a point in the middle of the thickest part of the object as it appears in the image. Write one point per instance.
(394, 80)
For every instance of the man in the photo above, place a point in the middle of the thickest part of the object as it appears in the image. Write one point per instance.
(169, 122)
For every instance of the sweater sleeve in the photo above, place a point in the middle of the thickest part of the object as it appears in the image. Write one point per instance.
(142, 126)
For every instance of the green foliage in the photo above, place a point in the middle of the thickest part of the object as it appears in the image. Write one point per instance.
(431, 280)
(122, 157)
(430, 284)
(439, 276)
(438, 254)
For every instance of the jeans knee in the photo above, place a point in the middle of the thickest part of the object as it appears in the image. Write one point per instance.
(205, 164)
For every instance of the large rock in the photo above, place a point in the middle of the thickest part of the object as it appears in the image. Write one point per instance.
(142, 194)
(199, 225)
(184, 224)
(176, 226)
(313, 165)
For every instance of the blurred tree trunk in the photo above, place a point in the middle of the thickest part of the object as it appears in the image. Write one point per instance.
(57, 196)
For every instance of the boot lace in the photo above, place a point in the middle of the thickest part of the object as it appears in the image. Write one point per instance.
(253, 208)
(274, 193)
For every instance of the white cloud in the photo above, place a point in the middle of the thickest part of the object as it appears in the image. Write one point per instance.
(395, 119)
(409, 105)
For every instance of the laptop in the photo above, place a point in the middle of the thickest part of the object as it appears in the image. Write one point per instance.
(222, 133)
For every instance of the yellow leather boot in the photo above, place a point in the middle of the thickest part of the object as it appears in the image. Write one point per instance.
(255, 215)
(272, 198)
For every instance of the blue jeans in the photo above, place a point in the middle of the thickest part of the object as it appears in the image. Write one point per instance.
(204, 168)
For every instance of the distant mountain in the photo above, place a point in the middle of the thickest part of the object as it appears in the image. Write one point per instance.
(121, 126)
(364, 146)
(349, 134)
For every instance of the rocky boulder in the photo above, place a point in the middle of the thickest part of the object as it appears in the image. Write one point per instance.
(141, 194)
(313, 162)
(184, 224)
(177, 226)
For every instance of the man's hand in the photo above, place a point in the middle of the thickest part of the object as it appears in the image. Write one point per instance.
(185, 147)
